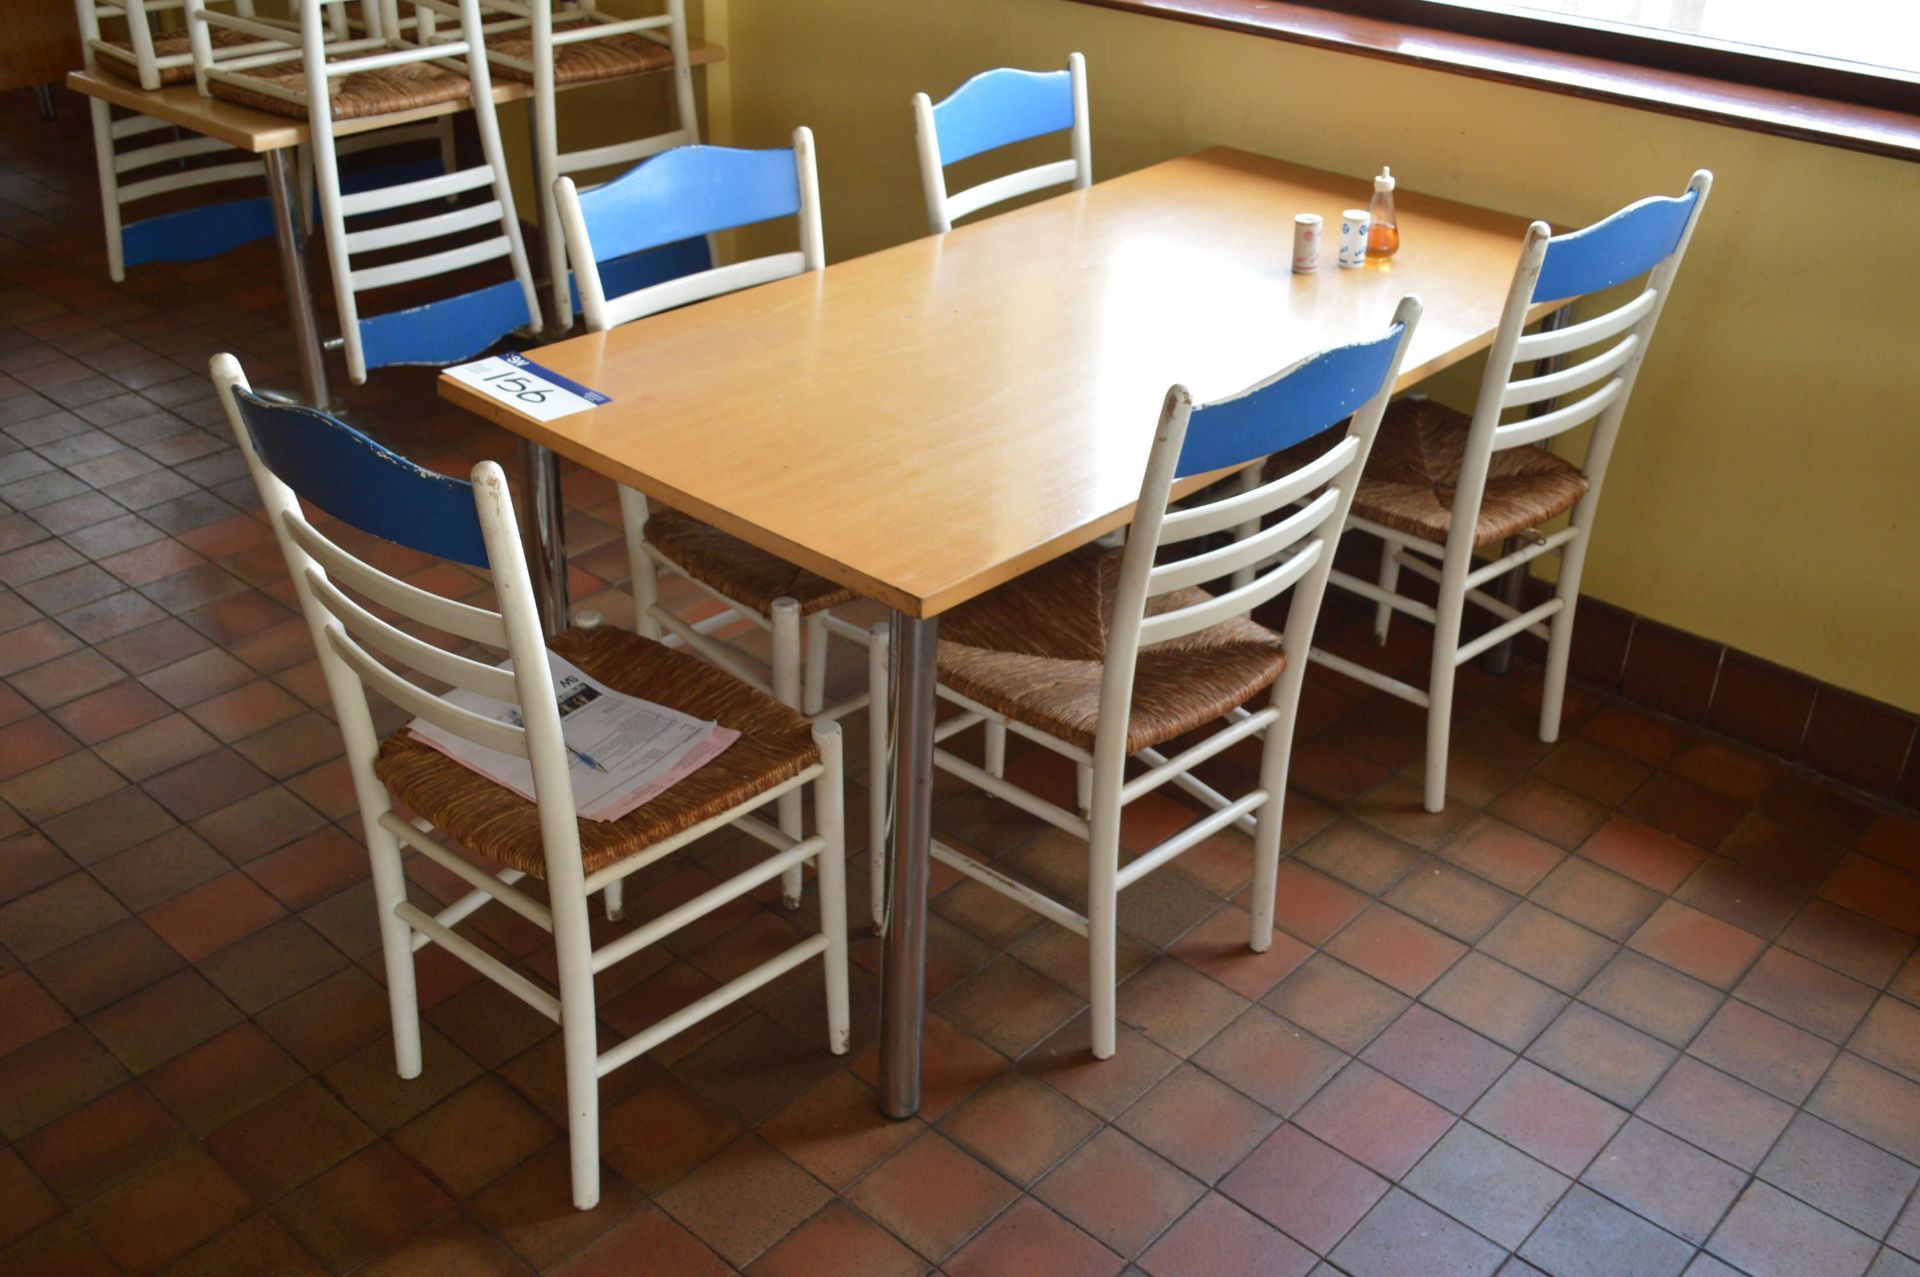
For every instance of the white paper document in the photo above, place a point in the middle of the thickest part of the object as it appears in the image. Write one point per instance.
(621, 751)
(526, 387)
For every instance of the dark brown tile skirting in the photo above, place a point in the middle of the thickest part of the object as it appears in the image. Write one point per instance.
(1852, 738)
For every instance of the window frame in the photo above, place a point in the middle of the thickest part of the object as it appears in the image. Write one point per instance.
(1809, 74)
(1367, 28)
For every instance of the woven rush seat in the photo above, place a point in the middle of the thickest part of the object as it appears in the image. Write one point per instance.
(749, 576)
(1034, 650)
(408, 87)
(167, 46)
(1415, 465)
(776, 744)
(585, 61)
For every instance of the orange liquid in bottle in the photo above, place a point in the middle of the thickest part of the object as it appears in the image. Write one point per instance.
(1383, 240)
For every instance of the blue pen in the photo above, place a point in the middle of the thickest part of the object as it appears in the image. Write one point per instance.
(580, 756)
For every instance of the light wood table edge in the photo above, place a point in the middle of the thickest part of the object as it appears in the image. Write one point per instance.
(868, 586)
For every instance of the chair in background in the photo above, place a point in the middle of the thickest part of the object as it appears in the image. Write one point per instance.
(153, 56)
(298, 453)
(1106, 655)
(123, 40)
(586, 46)
(399, 65)
(995, 109)
(1443, 482)
(689, 193)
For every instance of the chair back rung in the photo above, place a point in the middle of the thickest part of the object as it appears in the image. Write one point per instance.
(1533, 390)
(435, 662)
(1559, 341)
(1010, 185)
(463, 723)
(1163, 626)
(1258, 547)
(368, 278)
(416, 229)
(183, 178)
(1560, 420)
(185, 148)
(419, 191)
(463, 619)
(711, 283)
(1257, 502)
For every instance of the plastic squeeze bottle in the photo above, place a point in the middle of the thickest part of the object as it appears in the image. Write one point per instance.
(1383, 238)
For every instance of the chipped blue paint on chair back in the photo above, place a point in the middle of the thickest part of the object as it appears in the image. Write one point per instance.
(1000, 107)
(445, 331)
(1622, 247)
(688, 192)
(1316, 393)
(339, 470)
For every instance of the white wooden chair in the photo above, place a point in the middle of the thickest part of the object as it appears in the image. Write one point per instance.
(299, 454)
(138, 157)
(1106, 655)
(689, 193)
(994, 109)
(1443, 482)
(123, 38)
(400, 63)
(584, 45)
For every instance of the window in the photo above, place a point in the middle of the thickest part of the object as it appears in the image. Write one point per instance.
(1863, 51)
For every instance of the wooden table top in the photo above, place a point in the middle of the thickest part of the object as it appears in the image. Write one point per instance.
(259, 131)
(929, 421)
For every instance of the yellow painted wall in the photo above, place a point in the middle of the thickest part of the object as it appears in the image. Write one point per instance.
(1766, 489)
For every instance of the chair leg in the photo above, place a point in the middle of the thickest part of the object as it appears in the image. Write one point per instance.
(646, 580)
(109, 186)
(396, 943)
(1390, 582)
(1103, 910)
(615, 896)
(573, 953)
(1553, 691)
(1446, 648)
(829, 804)
(814, 682)
(786, 689)
(996, 748)
(879, 772)
(1083, 786)
(1266, 833)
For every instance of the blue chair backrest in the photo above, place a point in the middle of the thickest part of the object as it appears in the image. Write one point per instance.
(1000, 107)
(362, 483)
(1622, 247)
(1309, 397)
(687, 192)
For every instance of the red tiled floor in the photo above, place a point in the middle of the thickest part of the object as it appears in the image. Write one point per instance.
(1374, 1120)
(1703, 947)
(1019, 1127)
(933, 1195)
(1450, 1065)
(1601, 905)
(1547, 1117)
(1395, 950)
(1218, 1239)
(1307, 1189)
(1199, 1124)
(1493, 1187)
